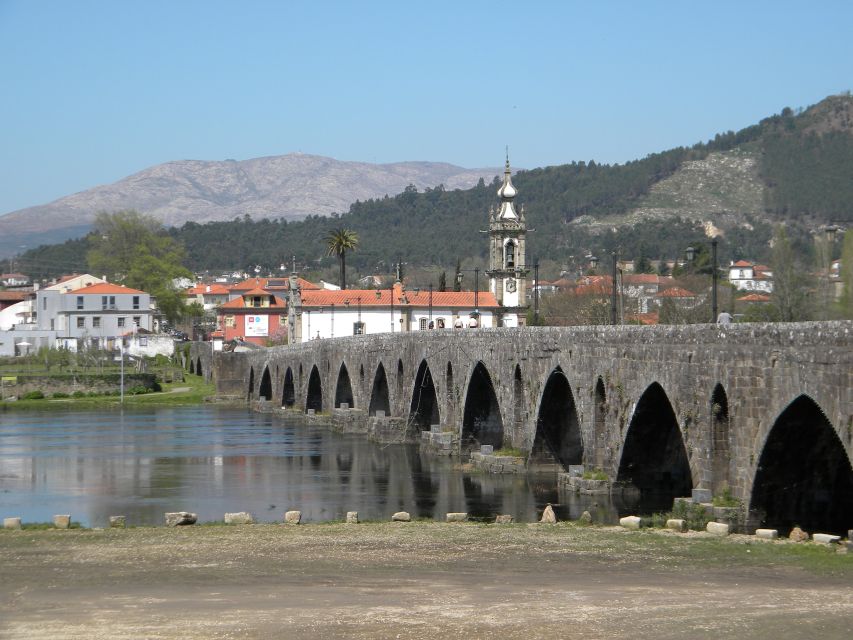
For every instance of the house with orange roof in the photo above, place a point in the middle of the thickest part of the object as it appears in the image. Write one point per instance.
(254, 315)
(97, 315)
(746, 276)
(209, 296)
(331, 314)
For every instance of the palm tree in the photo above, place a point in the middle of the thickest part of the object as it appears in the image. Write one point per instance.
(340, 241)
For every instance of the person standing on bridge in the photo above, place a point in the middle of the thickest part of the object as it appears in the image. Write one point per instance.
(724, 318)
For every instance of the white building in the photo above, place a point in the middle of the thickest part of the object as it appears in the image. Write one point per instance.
(332, 314)
(746, 276)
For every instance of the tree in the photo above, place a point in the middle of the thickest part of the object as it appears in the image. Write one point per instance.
(790, 281)
(457, 281)
(847, 276)
(442, 279)
(135, 250)
(339, 241)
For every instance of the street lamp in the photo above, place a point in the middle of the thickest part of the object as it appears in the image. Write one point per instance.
(476, 288)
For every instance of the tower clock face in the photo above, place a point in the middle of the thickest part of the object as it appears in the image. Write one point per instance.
(510, 285)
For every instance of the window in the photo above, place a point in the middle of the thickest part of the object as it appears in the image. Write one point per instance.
(440, 323)
(112, 302)
(103, 302)
(79, 302)
(357, 328)
(121, 322)
(423, 324)
(96, 322)
(230, 321)
(135, 302)
(81, 323)
(137, 321)
(143, 341)
(509, 254)
(256, 301)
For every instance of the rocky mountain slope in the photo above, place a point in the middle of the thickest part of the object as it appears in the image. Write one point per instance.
(292, 186)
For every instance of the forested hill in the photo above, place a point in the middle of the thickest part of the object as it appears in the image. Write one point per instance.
(793, 167)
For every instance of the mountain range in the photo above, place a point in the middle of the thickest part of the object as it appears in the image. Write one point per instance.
(289, 187)
(793, 168)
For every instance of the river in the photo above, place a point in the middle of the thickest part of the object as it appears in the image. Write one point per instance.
(212, 460)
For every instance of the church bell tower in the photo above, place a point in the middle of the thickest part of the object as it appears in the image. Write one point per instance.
(507, 254)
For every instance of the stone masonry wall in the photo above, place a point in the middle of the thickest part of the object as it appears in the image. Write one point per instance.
(761, 367)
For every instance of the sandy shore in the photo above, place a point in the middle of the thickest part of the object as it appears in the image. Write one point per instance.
(417, 580)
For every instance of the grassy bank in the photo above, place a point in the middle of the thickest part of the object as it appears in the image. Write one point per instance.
(192, 390)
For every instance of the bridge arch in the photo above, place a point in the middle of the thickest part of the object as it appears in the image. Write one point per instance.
(558, 442)
(720, 445)
(192, 365)
(518, 403)
(314, 396)
(251, 391)
(265, 390)
(654, 458)
(599, 424)
(400, 382)
(423, 410)
(343, 389)
(288, 390)
(198, 369)
(481, 422)
(803, 477)
(380, 399)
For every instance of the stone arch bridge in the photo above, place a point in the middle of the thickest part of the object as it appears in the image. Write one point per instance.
(763, 411)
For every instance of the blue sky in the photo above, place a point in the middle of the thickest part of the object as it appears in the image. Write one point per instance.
(96, 90)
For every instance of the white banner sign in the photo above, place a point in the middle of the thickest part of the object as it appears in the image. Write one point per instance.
(257, 326)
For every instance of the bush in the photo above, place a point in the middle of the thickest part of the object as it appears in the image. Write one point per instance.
(138, 390)
(59, 394)
(595, 474)
(78, 394)
(33, 395)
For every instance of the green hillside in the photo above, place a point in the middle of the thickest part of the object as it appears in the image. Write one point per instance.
(793, 167)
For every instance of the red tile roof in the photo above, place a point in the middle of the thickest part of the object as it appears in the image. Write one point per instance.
(239, 303)
(742, 263)
(652, 317)
(106, 287)
(676, 292)
(382, 297)
(277, 284)
(754, 297)
(14, 296)
(645, 278)
(211, 289)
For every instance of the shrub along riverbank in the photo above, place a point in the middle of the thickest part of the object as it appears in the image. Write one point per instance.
(191, 390)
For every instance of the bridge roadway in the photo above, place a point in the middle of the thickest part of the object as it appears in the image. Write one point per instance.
(765, 410)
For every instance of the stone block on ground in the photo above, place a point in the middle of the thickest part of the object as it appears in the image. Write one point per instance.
(586, 518)
(717, 528)
(631, 522)
(798, 535)
(401, 516)
(487, 449)
(180, 518)
(767, 534)
(240, 517)
(62, 521)
(11, 523)
(352, 517)
(504, 519)
(292, 517)
(825, 538)
(548, 515)
(118, 522)
(457, 517)
(676, 524)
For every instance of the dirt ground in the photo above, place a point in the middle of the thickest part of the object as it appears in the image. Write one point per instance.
(417, 580)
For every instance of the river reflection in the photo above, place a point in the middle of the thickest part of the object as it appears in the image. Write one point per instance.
(213, 460)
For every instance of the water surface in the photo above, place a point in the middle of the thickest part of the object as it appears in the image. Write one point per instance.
(213, 460)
